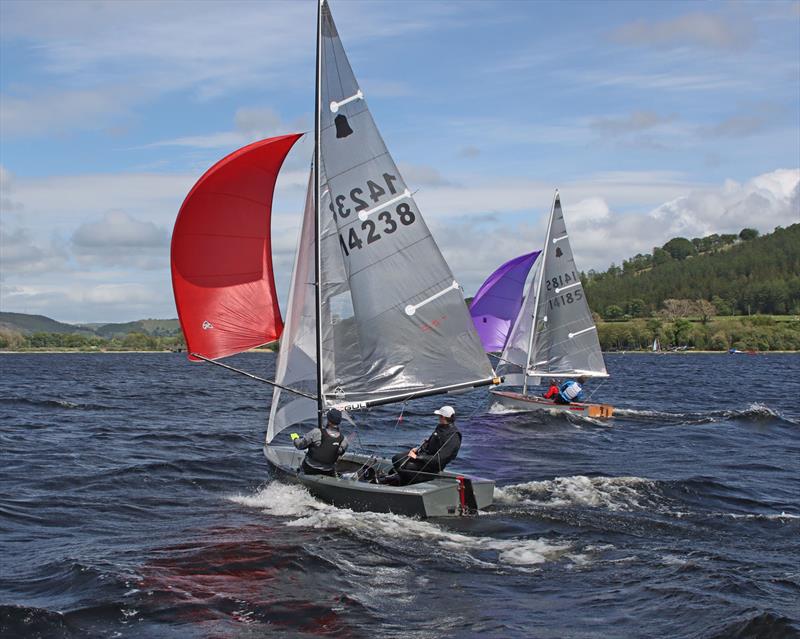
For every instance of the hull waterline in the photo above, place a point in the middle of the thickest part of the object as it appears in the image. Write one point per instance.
(444, 496)
(518, 401)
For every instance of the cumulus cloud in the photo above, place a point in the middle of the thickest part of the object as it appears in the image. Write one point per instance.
(704, 30)
(119, 239)
(764, 202)
(602, 233)
(21, 254)
(91, 302)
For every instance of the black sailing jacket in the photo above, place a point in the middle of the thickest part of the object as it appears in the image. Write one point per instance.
(440, 448)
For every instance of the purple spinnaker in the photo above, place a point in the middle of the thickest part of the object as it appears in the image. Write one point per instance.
(496, 304)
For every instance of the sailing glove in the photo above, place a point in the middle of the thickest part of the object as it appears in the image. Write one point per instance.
(294, 436)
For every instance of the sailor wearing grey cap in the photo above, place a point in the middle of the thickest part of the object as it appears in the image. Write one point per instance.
(325, 446)
(420, 463)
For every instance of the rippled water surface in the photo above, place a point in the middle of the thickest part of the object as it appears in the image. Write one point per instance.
(136, 502)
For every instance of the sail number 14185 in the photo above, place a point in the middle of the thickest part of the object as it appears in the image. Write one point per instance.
(563, 297)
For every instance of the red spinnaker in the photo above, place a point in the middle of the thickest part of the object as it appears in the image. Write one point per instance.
(222, 254)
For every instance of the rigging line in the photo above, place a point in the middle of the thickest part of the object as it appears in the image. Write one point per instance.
(597, 388)
(503, 359)
(256, 377)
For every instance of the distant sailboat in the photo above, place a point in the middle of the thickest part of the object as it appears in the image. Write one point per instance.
(553, 335)
(374, 314)
(656, 345)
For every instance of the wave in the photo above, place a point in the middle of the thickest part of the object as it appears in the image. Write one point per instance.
(765, 625)
(52, 403)
(610, 493)
(755, 412)
(294, 502)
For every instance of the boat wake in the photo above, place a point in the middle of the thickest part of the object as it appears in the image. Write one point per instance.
(396, 532)
(630, 494)
(755, 412)
(610, 493)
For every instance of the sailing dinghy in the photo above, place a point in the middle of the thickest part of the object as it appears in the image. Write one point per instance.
(374, 314)
(553, 335)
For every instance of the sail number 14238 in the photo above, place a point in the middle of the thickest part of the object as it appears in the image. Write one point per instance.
(388, 220)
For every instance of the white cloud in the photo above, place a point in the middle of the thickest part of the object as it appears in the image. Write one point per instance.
(251, 124)
(764, 202)
(57, 111)
(479, 222)
(120, 240)
(20, 253)
(704, 30)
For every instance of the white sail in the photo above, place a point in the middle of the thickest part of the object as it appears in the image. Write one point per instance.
(556, 320)
(393, 320)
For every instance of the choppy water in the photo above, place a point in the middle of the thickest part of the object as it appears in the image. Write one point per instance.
(136, 502)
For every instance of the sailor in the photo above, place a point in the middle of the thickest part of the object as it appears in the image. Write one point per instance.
(552, 391)
(325, 446)
(571, 391)
(420, 463)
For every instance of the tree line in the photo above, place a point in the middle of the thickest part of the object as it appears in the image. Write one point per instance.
(758, 332)
(719, 274)
(13, 340)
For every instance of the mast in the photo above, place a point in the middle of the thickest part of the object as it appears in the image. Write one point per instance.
(537, 290)
(317, 252)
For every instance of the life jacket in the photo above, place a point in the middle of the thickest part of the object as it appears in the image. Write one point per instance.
(326, 454)
(570, 390)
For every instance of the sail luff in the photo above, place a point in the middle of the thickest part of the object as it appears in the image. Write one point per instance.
(317, 231)
(537, 293)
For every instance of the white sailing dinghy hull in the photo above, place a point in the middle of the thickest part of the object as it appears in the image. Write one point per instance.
(520, 402)
(448, 495)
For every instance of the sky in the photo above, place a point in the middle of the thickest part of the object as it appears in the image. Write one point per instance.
(653, 119)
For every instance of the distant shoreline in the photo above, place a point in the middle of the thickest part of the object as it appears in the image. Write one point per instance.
(270, 352)
(67, 351)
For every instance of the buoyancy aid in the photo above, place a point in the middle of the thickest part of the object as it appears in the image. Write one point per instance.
(327, 452)
(570, 390)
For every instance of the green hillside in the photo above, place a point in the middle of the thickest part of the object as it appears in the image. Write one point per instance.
(28, 324)
(721, 274)
(152, 327)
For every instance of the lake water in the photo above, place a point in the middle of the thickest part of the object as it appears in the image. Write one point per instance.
(135, 501)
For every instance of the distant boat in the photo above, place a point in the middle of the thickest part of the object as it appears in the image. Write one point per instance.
(656, 345)
(553, 335)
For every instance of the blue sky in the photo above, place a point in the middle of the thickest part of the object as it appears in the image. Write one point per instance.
(653, 119)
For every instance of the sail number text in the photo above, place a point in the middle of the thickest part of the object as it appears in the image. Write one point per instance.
(337, 204)
(387, 222)
(567, 297)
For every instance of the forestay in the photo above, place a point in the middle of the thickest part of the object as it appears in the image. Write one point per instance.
(565, 341)
(393, 319)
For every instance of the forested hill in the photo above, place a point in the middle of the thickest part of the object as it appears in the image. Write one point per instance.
(741, 274)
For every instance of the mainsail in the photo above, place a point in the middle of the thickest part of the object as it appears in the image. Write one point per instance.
(393, 323)
(221, 253)
(554, 334)
(498, 301)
